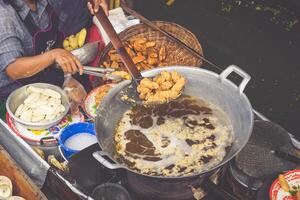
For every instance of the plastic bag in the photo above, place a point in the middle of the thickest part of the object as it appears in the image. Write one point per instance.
(76, 93)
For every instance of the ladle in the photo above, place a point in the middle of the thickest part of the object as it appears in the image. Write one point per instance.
(130, 93)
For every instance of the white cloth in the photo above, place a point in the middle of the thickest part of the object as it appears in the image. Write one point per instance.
(119, 21)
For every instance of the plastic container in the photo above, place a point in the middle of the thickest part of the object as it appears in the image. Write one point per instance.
(72, 130)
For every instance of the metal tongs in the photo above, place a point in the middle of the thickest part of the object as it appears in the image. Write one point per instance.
(101, 72)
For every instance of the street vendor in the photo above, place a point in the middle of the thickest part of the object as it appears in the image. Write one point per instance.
(31, 37)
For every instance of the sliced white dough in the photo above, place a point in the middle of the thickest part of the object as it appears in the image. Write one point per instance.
(32, 89)
(32, 98)
(19, 110)
(44, 98)
(51, 93)
(5, 191)
(54, 102)
(62, 108)
(37, 118)
(6, 180)
(50, 117)
(26, 115)
(44, 110)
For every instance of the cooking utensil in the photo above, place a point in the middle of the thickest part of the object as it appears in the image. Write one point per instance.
(101, 72)
(17, 97)
(258, 157)
(203, 84)
(131, 90)
(87, 53)
(98, 69)
(117, 43)
(258, 160)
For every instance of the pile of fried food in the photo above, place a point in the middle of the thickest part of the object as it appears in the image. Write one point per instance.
(75, 41)
(52, 160)
(294, 191)
(163, 87)
(145, 54)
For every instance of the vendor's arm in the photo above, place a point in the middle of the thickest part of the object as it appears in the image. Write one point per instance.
(16, 66)
(24, 67)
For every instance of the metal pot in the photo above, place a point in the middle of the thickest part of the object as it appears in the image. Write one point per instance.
(17, 97)
(202, 84)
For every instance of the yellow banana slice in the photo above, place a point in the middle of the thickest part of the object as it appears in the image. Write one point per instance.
(82, 37)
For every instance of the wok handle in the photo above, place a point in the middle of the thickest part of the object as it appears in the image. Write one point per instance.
(99, 156)
(117, 43)
(233, 68)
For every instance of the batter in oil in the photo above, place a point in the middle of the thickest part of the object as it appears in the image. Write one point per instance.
(182, 137)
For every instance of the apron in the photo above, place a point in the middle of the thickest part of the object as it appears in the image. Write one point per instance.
(44, 40)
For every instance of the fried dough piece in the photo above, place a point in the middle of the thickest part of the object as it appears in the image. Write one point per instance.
(161, 88)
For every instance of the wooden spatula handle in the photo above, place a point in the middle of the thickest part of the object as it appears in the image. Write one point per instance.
(117, 43)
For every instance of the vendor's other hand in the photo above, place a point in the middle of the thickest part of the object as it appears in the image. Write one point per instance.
(97, 4)
(67, 61)
(75, 92)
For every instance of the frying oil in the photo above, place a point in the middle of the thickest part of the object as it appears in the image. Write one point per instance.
(179, 138)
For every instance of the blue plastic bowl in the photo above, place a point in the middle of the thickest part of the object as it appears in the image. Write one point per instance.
(73, 129)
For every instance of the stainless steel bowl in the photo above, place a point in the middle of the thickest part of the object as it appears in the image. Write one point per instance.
(87, 53)
(17, 97)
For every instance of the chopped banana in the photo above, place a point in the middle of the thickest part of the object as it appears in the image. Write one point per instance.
(75, 41)
(81, 37)
(66, 43)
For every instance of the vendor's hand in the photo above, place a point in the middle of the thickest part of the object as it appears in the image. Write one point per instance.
(97, 4)
(67, 61)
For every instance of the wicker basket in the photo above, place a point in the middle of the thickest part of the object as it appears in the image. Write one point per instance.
(176, 54)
